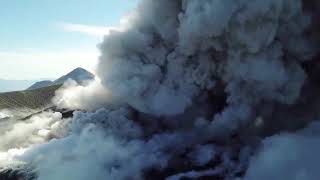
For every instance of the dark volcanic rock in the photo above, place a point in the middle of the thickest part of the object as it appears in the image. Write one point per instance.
(10, 174)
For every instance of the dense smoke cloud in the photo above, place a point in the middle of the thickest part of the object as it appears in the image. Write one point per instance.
(188, 89)
(288, 156)
(177, 51)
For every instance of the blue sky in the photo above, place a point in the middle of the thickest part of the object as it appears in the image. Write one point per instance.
(47, 38)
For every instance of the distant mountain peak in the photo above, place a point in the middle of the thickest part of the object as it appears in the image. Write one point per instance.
(80, 75)
(79, 69)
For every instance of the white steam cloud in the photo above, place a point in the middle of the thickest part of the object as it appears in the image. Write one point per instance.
(19, 135)
(89, 97)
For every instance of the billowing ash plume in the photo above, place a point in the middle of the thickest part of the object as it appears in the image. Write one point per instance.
(189, 89)
(182, 55)
(295, 155)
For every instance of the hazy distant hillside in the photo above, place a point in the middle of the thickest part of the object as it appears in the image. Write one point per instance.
(40, 93)
(28, 99)
(14, 85)
(40, 84)
(79, 75)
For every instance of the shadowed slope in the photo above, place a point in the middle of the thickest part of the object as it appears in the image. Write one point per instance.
(28, 99)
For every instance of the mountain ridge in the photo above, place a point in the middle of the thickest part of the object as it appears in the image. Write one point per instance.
(80, 75)
(39, 95)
